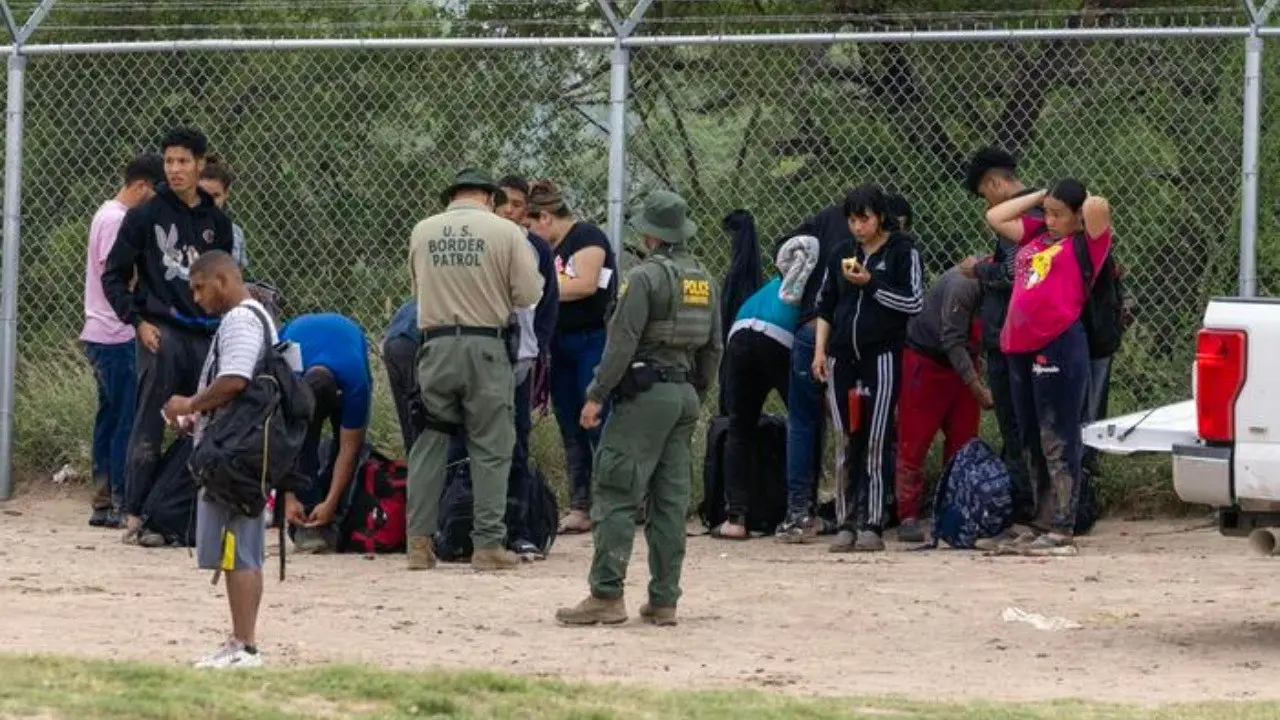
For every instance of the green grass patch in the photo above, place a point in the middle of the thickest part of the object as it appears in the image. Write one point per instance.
(67, 688)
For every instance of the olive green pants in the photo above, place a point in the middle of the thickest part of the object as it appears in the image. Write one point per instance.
(646, 452)
(467, 381)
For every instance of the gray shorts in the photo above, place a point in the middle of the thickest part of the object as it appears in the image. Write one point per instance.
(228, 541)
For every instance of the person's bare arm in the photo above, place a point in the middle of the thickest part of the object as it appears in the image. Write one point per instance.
(1097, 215)
(822, 331)
(1006, 218)
(349, 444)
(220, 392)
(587, 262)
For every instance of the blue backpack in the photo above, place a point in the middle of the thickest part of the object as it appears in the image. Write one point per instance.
(974, 497)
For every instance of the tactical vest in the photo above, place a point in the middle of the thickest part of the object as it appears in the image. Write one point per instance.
(690, 315)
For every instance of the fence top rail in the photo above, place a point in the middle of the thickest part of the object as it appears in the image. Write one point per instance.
(906, 36)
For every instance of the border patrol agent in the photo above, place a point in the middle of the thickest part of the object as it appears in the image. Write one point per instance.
(471, 270)
(662, 353)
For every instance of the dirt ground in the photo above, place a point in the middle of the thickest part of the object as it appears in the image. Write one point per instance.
(1168, 614)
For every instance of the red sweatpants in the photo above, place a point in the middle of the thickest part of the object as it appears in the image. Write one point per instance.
(934, 397)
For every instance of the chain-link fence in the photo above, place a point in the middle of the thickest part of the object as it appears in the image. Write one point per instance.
(338, 152)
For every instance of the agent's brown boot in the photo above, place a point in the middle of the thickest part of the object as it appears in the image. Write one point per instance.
(422, 555)
(594, 611)
(494, 558)
(662, 616)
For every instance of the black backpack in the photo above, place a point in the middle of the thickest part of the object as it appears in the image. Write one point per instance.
(1105, 315)
(252, 444)
(170, 508)
(769, 491)
(452, 541)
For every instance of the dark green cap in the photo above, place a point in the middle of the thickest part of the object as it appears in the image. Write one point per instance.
(469, 178)
(664, 215)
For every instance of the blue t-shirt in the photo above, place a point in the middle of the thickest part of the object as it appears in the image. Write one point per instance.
(336, 342)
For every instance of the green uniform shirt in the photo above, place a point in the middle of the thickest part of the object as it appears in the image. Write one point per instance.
(646, 294)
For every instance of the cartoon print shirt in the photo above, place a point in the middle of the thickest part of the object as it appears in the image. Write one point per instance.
(1048, 289)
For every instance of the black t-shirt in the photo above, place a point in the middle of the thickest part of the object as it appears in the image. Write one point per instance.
(589, 312)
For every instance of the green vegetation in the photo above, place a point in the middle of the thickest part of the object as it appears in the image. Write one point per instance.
(62, 688)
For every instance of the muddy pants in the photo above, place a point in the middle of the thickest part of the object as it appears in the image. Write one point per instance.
(1049, 390)
(869, 454)
(173, 370)
(1024, 496)
(646, 450)
(934, 397)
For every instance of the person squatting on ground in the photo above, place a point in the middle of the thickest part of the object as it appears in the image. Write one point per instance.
(757, 361)
(216, 179)
(335, 362)
(109, 344)
(225, 539)
(661, 358)
(991, 175)
(471, 270)
(586, 267)
(537, 326)
(157, 244)
(805, 423)
(941, 388)
(871, 290)
(1046, 343)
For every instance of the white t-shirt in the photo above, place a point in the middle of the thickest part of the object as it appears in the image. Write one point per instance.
(236, 350)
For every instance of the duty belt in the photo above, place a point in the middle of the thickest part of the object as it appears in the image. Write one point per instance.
(463, 331)
(672, 376)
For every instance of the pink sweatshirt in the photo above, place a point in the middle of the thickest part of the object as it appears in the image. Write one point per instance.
(100, 322)
(1048, 289)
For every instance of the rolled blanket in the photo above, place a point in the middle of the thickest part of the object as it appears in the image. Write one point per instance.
(797, 259)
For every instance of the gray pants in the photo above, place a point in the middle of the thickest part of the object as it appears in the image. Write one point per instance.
(174, 370)
(228, 541)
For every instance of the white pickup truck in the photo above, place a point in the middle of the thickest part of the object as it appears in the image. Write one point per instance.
(1226, 442)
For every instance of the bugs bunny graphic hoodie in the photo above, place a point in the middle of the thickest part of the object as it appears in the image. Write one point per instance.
(160, 239)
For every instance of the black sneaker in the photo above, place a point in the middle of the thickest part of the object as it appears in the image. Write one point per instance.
(527, 551)
(115, 519)
(796, 528)
(100, 517)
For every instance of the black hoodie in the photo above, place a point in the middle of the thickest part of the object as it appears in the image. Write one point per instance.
(831, 227)
(160, 239)
(872, 319)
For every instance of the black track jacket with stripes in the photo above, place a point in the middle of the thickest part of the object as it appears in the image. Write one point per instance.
(872, 319)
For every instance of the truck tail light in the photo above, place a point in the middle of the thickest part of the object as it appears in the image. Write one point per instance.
(1220, 374)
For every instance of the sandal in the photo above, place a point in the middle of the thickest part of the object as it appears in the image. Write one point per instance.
(718, 533)
(575, 523)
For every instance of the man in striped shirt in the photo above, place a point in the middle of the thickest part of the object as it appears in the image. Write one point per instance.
(225, 540)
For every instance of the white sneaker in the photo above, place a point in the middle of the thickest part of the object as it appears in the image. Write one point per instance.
(231, 655)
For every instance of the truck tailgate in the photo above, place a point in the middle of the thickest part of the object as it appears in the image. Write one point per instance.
(1154, 430)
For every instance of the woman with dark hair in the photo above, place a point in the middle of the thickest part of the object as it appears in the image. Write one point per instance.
(871, 289)
(586, 268)
(1046, 343)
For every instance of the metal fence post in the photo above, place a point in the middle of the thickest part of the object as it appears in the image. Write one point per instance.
(1249, 167)
(12, 235)
(618, 79)
(1250, 141)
